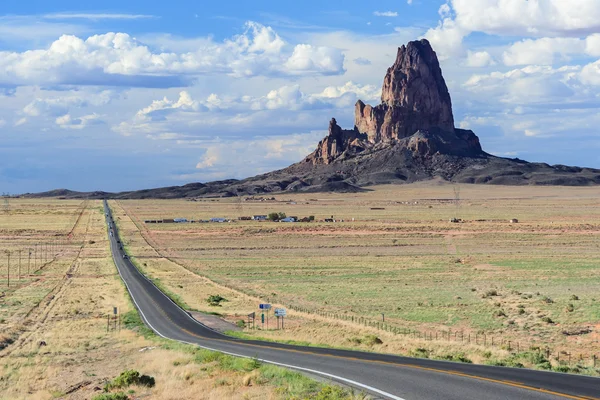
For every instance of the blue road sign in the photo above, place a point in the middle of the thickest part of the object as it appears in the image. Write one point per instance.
(264, 306)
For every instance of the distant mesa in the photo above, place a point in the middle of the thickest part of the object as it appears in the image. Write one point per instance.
(410, 136)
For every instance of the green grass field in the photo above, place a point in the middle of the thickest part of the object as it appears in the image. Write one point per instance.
(406, 260)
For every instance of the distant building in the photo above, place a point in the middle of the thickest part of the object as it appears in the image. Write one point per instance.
(218, 220)
(260, 217)
(288, 219)
(180, 220)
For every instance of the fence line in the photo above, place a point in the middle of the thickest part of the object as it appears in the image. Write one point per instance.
(481, 339)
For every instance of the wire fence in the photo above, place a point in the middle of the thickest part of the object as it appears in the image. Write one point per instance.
(561, 357)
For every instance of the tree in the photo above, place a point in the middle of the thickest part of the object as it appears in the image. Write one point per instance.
(273, 216)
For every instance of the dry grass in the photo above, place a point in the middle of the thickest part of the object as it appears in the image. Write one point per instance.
(406, 261)
(71, 320)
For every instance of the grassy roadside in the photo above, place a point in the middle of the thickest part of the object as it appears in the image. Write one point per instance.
(340, 254)
(287, 384)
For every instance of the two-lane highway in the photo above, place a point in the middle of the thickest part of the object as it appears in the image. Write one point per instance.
(382, 375)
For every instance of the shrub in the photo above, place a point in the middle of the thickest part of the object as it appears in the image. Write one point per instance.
(215, 300)
(545, 365)
(355, 340)
(547, 320)
(130, 377)
(521, 311)
(570, 308)
(574, 297)
(273, 216)
(547, 300)
(111, 396)
(371, 340)
(241, 323)
(311, 218)
(499, 313)
(420, 352)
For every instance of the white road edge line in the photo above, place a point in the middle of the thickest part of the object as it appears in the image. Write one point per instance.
(336, 377)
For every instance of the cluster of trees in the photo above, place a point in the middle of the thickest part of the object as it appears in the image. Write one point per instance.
(276, 216)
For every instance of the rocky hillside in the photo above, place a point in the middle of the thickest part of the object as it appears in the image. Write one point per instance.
(409, 137)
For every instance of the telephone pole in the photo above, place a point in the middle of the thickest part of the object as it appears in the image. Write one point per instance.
(29, 262)
(8, 273)
(19, 275)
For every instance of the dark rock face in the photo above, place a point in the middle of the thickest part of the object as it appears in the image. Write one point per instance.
(415, 104)
(337, 142)
(414, 96)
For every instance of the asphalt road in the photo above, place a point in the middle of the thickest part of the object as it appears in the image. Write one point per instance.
(381, 375)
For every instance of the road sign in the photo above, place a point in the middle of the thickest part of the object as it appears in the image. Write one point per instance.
(252, 315)
(115, 310)
(264, 306)
(262, 318)
(280, 312)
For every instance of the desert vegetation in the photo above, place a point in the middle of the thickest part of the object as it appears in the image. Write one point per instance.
(483, 289)
(53, 326)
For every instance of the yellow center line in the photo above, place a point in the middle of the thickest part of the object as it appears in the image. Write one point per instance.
(448, 372)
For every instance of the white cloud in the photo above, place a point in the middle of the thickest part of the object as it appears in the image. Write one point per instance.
(446, 39)
(528, 17)
(279, 107)
(539, 18)
(56, 106)
(307, 58)
(385, 13)
(532, 84)
(479, 59)
(68, 122)
(119, 59)
(21, 121)
(256, 155)
(96, 16)
(409, 2)
(590, 74)
(543, 51)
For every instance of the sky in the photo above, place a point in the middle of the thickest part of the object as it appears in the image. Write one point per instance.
(117, 95)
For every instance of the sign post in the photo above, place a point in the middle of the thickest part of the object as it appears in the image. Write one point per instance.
(280, 312)
(265, 306)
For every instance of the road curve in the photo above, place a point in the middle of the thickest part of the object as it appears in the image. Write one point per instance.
(381, 375)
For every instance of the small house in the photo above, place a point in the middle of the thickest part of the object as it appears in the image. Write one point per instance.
(260, 217)
(288, 219)
(180, 220)
(219, 220)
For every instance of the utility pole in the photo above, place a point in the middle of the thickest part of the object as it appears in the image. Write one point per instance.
(29, 262)
(19, 275)
(8, 273)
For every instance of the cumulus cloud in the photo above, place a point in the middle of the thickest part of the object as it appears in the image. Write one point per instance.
(278, 107)
(69, 122)
(447, 38)
(256, 155)
(56, 106)
(531, 84)
(385, 13)
(479, 59)
(527, 18)
(119, 59)
(545, 51)
(552, 18)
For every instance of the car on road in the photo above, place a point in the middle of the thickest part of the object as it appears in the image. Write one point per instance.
(125, 256)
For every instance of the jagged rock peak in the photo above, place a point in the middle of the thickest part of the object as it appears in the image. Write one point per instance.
(414, 96)
(415, 112)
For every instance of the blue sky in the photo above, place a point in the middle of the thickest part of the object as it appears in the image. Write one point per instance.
(129, 95)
